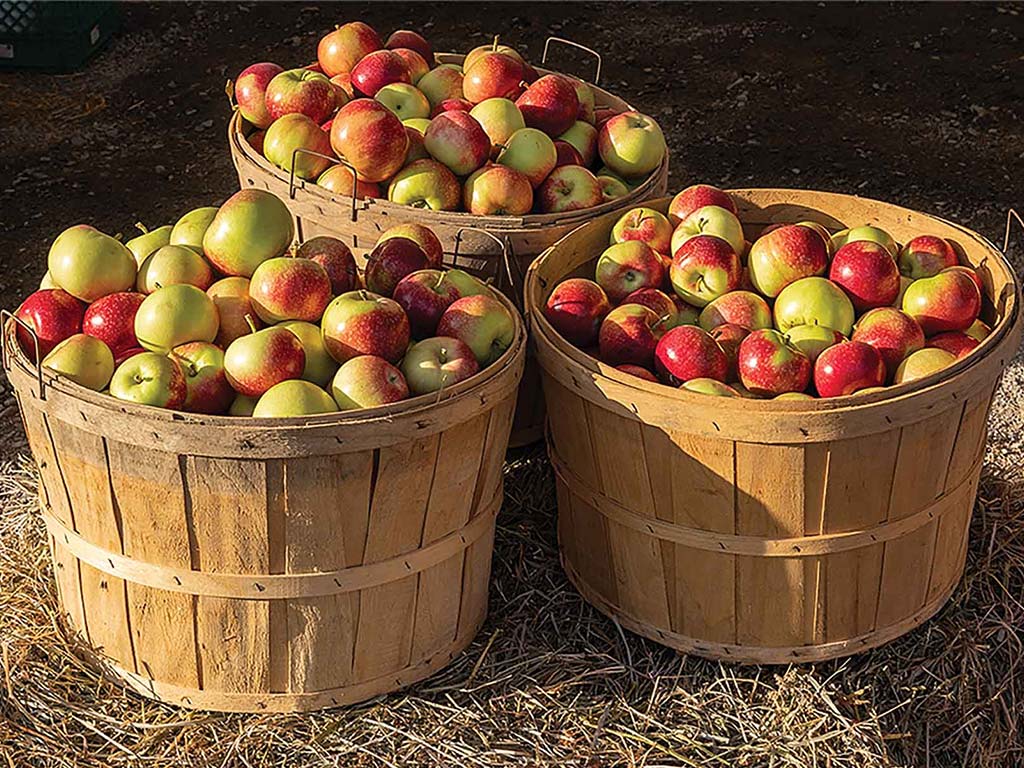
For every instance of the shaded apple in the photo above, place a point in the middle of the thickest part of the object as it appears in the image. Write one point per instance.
(576, 308)
(292, 398)
(921, 363)
(335, 257)
(230, 296)
(629, 334)
(319, 366)
(423, 236)
(368, 381)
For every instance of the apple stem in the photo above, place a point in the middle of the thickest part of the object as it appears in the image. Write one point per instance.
(494, 45)
(184, 362)
(363, 294)
(157, 284)
(440, 279)
(142, 227)
(662, 320)
(249, 321)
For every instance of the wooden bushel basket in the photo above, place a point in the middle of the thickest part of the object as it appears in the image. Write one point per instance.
(243, 564)
(498, 248)
(762, 531)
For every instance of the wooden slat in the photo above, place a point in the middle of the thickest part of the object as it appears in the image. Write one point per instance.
(951, 536)
(499, 426)
(476, 572)
(970, 440)
(590, 537)
(570, 437)
(69, 587)
(53, 493)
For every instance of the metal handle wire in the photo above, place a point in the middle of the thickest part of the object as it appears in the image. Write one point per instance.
(7, 316)
(506, 256)
(334, 161)
(573, 44)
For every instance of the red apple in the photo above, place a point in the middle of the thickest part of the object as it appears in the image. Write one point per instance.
(769, 365)
(339, 51)
(703, 269)
(866, 271)
(957, 343)
(54, 315)
(630, 334)
(368, 381)
(738, 307)
(971, 273)
(925, 256)
(423, 236)
(127, 353)
(497, 190)
(647, 225)
(569, 188)
(343, 90)
(636, 370)
(257, 361)
(364, 323)
(457, 140)
(729, 338)
(111, 319)
(550, 104)
(206, 383)
(257, 139)
(894, 334)
(251, 93)
(848, 367)
(786, 255)
(697, 196)
(566, 154)
(425, 295)
(390, 261)
(289, 289)
(414, 63)
(949, 301)
(627, 267)
(301, 91)
(576, 309)
(688, 352)
(231, 297)
(377, 69)
(369, 136)
(660, 302)
(493, 75)
(405, 38)
(338, 179)
(336, 259)
(456, 104)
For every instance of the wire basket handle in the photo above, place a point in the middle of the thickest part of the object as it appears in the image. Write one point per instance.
(572, 44)
(1011, 215)
(6, 353)
(506, 256)
(335, 161)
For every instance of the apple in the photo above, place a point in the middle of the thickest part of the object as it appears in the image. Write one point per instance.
(646, 225)
(54, 315)
(230, 296)
(612, 188)
(569, 188)
(814, 301)
(688, 352)
(483, 323)
(143, 245)
(729, 338)
(242, 405)
(424, 237)
(451, 105)
(849, 367)
(417, 149)
(550, 104)
(368, 381)
(868, 233)
(710, 220)
(251, 92)
(338, 179)
(530, 152)
(971, 273)
(703, 269)
(404, 100)
(458, 141)
(390, 261)
(433, 364)
(150, 378)
(341, 49)
(769, 365)
(812, 340)
(83, 359)
(301, 91)
(493, 47)
(629, 334)
(978, 330)
(173, 265)
(257, 139)
(418, 124)
(631, 144)
(627, 267)
(293, 132)
(894, 334)
(923, 362)
(500, 118)
(207, 387)
(742, 308)
(636, 370)
(697, 196)
(287, 288)
(866, 271)
(957, 343)
(291, 398)
(256, 362)
(425, 295)
(319, 366)
(365, 323)
(414, 63)
(583, 138)
(949, 301)
(88, 264)
(497, 190)
(377, 69)
(426, 184)
(336, 259)
(904, 284)
(576, 308)
(444, 82)
(660, 302)
(175, 315)
(371, 138)
(251, 227)
(705, 386)
(493, 76)
(925, 256)
(785, 255)
(406, 38)
(566, 154)
(191, 228)
(112, 320)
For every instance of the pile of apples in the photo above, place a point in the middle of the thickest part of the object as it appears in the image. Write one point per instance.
(216, 315)
(685, 300)
(491, 137)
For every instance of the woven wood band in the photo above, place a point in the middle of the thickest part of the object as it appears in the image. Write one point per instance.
(801, 546)
(273, 586)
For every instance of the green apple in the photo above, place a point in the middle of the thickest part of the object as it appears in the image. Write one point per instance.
(320, 366)
(426, 184)
(89, 264)
(710, 220)
(707, 386)
(436, 363)
(175, 315)
(483, 323)
(531, 152)
(46, 283)
(144, 244)
(631, 144)
(242, 405)
(294, 397)
(84, 359)
(405, 100)
(500, 118)
(872, 234)
(922, 363)
(173, 265)
(804, 395)
(812, 340)
(814, 301)
(440, 83)
(149, 378)
(582, 136)
(190, 228)
(251, 227)
(418, 124)
(465, 283)
(612, 188)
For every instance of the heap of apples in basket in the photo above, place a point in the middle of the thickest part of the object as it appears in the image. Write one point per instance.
(491, 136)
(685, 300)
(215, 315)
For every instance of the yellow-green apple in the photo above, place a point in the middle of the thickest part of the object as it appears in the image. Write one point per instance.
(191, 228)
(371, 138)
(785, 255)
(173, 265)
(404, 100)
(365, 323)
(433, 364)
(207, 387)
(467, 284)
(865, 232)
(638, 371)
(629, 184)
(230, 296)
(423, 236)
(499, 118)
(688, 352)
(319, 366)
(338, 179)
(923, 363)
(530, 152)
(957, 343)
(971, 273)
(493, 76)
(301, 91)
(948, 301)
(425, 295)
(585, 96)
(256, 362)
(443, 82)
(251, 92)
(893, 333)
(583, 137)
(457, 140)
(493, 47)
(390, 261)
(368, 381)
(631, 144)
(629, 334)
(687, 313)
(612, 188)
(251, 227)
(978, 330)
(419, 124)
(54, 315)
(569, 188)
(406, 38)
(291, 398)
(867, 272)
(627, 267)
(497, 190)
(743, 308)
(112, 320)
(336, 259)
(703, 269)
(796, 396)
(483, 323)
(451, 105)
(812, 340)
(705, 386)
(342, 48)
(144, 244)
(242, 405)
(294, 132)
(814, 301)
(729, 338)
(660, 302)
(150, 378)
(566, 154)
(769, 365)
(550, 104)
(83, 359)
(925, 256)
(646, 225)
(286, 288)
(175, 315)
(377, 69)
(414, 63)
(576, 308)
(697, 196)
(849, 367)
(709, 220)
(89, 264)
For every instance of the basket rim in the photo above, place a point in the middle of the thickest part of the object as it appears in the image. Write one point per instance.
(893, 395)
